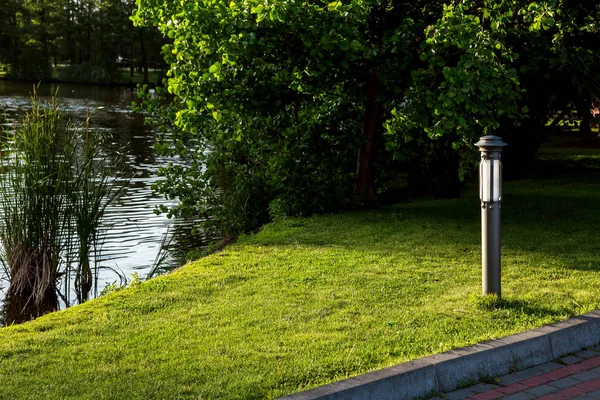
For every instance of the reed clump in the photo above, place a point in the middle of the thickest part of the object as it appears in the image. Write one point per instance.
(55, 185)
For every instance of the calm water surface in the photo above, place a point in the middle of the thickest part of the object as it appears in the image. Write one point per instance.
(136, 233)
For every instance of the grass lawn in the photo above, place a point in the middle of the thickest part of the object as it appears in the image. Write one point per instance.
(309, 301)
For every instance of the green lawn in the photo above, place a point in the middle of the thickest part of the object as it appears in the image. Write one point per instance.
(309, 301)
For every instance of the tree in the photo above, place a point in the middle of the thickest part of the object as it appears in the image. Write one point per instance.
(507, 68)
(90, 36)
(9, 31)
(273, 95)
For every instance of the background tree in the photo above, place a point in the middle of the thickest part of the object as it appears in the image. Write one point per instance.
(507, 68)
(10, 30)
(91, 39)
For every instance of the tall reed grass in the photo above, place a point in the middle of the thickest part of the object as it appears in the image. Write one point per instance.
(55, 185)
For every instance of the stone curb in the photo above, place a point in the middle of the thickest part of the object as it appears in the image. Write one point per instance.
(444, 372)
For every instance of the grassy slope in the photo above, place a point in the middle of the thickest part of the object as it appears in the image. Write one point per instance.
(309, 301)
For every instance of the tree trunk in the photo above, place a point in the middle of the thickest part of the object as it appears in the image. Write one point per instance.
(585, 128)
(88, 36)
(131, 64)
(144, 58)
(79, 45)
(365, 175)
(44, 31)
(69, 34)
(13, 43)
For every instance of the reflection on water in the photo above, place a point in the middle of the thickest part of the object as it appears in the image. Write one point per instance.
(136, 233)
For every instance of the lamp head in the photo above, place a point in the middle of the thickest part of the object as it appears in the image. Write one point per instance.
(490, 143)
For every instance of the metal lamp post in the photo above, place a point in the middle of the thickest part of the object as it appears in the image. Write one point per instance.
(490, 193)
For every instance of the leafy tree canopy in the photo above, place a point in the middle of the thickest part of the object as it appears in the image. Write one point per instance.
(294, 106)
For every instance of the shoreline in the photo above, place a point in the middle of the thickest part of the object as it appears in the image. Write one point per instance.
(59, 81)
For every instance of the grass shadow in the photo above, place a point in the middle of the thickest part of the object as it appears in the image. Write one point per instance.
(520, 306)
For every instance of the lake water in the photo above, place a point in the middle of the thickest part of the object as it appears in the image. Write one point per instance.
(136, 232)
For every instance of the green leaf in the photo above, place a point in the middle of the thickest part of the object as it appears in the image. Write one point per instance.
(334, 5)
(215, 68)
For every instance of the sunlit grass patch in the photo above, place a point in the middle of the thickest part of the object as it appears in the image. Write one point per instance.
(310, 301)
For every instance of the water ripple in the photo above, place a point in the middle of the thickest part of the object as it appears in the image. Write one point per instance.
(135, 232)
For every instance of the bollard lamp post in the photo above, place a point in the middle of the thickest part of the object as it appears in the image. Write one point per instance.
(490, 193)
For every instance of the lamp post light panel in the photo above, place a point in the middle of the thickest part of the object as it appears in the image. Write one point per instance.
(490, 176)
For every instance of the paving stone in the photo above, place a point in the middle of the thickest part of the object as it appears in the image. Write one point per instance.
(513, 388)
(492, 395)
(592, 362)
(593, 384)
(587, 353)
(589, 396)
(569, 360)
(520, 375)
(459, 394)
(571, 392)
(520, 396)
(483, 387)
(564, 383)
(585, 376)
(549, 366)
(542, 390)
(582, 366)
(597, 370)
(552, 396)
(535, 381)
(557, 374)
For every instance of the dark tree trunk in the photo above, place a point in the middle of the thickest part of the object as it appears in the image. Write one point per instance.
(144, 57)
(131, 63)
(88, 36)
(13, 42)
(365, 175)
(585, 125)
(69, 34)
(88, 53)
(557, 119)
(45, 52)
(79, 47)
